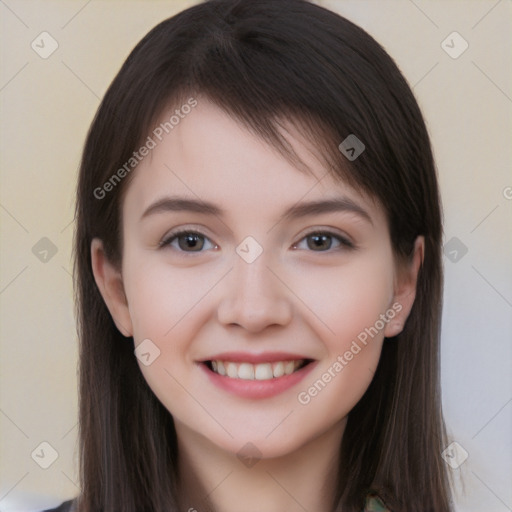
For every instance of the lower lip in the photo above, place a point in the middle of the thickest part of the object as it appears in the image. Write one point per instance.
(257, 388)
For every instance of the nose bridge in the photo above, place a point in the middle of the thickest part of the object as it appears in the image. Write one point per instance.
(254, 298)
(253, 280)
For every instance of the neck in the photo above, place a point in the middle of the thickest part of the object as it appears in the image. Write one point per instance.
(213, 480)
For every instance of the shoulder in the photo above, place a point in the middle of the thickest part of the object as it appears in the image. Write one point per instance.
(67, 506)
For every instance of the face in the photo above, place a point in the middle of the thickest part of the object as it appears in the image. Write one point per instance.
(258, 295)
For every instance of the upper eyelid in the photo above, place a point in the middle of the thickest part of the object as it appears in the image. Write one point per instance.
(327, 231)
(174, 234)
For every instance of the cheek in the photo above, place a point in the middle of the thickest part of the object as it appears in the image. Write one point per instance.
(348, 299)
(348, 304)
(161, 296)
(167, 307)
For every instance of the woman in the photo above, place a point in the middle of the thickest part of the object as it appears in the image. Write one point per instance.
(259, 275)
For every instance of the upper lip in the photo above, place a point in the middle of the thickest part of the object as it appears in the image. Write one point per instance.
(262, 357)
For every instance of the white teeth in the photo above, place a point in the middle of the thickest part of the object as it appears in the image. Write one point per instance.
(246, 371)
(279, 369)
(289, 366)
(221, 370)
(232, 370)
(261, 371)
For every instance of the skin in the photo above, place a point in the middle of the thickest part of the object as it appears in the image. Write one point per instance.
(292, 298)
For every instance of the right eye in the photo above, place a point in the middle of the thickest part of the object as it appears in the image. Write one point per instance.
(187, 241)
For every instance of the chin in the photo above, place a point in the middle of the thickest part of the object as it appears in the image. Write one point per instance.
(260, 445)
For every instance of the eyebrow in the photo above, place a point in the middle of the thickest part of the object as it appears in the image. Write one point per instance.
(340, 204)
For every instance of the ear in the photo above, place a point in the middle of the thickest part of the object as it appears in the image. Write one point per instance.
(405, 290)
(110, 283)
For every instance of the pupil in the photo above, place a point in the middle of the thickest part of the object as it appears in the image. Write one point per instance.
(321, 241)
(191, 241)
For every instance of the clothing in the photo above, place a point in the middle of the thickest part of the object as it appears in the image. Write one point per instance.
(373, 504)
(67, 506)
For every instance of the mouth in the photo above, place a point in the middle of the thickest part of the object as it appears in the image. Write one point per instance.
(256, 376)
(264, 371)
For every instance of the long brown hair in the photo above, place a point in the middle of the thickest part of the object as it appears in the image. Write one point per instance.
(265, 62)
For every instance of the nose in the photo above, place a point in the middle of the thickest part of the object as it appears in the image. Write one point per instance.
(254, 297)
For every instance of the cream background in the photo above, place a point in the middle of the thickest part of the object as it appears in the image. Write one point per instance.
(47, 106)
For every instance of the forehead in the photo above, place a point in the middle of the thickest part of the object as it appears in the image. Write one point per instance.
(209, 155)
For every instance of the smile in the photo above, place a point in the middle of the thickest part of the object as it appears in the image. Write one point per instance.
(260, 371)
(256, 376)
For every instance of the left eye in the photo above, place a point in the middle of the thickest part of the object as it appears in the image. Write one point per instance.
(322, 241)
(188, 241)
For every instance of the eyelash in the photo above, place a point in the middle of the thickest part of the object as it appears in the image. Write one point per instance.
(174, 236)
(344, 242)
